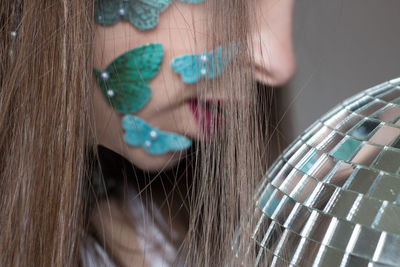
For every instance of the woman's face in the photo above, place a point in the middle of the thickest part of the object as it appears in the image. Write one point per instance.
(182, 30)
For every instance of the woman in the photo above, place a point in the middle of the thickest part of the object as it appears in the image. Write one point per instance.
(56, 207)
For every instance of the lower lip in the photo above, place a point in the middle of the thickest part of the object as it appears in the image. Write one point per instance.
(204, 116)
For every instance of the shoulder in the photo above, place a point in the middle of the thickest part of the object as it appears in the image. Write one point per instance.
(117, 234)
(129, 232)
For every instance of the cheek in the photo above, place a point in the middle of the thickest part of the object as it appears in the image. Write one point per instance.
(181, 29)
(107, 122)
(110, 134)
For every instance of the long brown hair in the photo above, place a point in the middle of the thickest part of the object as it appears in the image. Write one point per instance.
(45, 97)
(45, 133)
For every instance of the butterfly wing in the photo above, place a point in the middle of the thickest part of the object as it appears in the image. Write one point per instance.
(215, 62)
(106, 12)
(167, 142)
(188, 67)
(192, 67)
(159, 4)
(136, 130)
(192, 1)
(138, 133)
(128, 77)
(144, 14)
(219, 59)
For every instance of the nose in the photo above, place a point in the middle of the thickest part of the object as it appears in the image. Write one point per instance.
(272, 41)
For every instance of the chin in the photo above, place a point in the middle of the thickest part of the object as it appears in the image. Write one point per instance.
(153, 163)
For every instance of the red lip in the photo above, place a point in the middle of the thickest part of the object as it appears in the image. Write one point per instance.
(206, 114)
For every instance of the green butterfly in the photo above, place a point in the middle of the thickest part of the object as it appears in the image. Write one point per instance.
(124, 82)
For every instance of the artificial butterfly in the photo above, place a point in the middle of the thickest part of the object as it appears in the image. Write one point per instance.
(152, 140)
(192, 1)
(143, 14)
(193, 67)
(124, 82)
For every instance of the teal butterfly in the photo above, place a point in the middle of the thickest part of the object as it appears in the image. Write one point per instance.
(143, 14)
(154, 141)
(124, 82)
(192, 1)
(193, 67)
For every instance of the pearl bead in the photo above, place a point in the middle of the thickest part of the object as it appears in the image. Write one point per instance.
(13, 34)
(121, 12)
(147, 143)
(153, 134)
(110, 93)
(203, 58)
(203, 71)
(105, 75)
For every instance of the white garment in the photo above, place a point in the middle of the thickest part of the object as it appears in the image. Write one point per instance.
(93, 255)
(158, 250)
(150, 228)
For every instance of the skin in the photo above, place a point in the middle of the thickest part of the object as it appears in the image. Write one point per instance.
(181, 31)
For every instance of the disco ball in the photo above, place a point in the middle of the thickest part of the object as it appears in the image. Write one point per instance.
(333, 196)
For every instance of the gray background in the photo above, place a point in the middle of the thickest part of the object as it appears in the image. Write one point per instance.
(342, 47)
